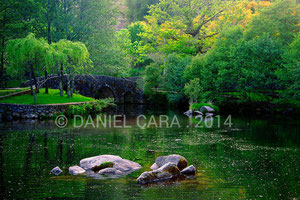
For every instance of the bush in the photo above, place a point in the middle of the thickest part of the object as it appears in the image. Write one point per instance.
(90, 108)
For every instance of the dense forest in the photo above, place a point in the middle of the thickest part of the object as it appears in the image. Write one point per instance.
(197, 51)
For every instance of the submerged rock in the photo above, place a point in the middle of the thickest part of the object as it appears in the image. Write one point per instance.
(165, 172)
(56, 170)
(110, 171)
(123, 165)
(178, 160)
(75, 170)
(190, 170)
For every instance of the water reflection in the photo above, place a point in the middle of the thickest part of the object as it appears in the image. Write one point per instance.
(255, 158)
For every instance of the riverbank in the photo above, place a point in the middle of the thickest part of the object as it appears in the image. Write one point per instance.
(22, 106)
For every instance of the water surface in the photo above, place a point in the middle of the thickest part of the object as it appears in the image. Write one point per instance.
(253, 159)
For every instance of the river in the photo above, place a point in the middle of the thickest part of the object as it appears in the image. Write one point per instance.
(253, 158)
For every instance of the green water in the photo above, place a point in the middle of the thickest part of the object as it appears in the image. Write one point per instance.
(253, 159)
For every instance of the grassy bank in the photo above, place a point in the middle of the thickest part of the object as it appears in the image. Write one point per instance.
(52, 98)
(10, 91)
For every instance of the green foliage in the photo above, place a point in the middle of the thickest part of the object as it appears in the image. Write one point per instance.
(193, 89)
(290, 74)
(73, 55)
(152, 82)
(137, 9)
(152, 78)
(235, 63)
(280, 21)
(30, 52)
(173, 77)
(92, 108)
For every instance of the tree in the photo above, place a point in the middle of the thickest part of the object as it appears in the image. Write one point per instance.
(238, 14)
(31, 53)
(173, 78)
(188, 16)
(193, 90)
(16, 20)
(72, 58)
(280, 21)
(152, 79)
(290, 74)
(137, 9)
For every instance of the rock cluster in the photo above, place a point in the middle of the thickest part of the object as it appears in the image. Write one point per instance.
(108, 165)
(165, 168)
(207, 110)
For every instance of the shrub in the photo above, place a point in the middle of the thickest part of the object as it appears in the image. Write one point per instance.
(90, 108)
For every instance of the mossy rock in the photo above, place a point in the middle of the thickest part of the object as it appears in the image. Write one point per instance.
(103, 166)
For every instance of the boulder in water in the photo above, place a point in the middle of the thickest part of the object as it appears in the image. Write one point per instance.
(96, 164)
(165, 172)
(190, 170)
(56, 170)
(207, 109)
(178, 160)
(189, 113)
(75, 170)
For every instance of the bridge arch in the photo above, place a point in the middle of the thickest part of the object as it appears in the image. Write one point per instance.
(105, 92)
(129, 98)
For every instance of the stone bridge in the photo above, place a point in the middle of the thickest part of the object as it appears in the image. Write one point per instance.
(123, 90)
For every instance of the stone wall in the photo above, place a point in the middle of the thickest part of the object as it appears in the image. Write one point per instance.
(19, 111)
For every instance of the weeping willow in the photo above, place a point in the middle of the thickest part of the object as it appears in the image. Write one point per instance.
(34, 56)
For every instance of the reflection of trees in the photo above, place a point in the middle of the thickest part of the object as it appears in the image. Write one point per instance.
(2, 185)
(59, 149)
(70, 146)
(46, 152)
(229, 160)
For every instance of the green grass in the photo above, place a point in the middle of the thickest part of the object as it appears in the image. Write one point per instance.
(10, 91)
(52, 98)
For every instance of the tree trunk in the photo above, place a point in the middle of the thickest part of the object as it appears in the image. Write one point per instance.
(60, 76)
(69, 82)
(35, 81)
(46, 82)
(35, 95)
(32, 81)
(36, 89)
(69, 85)
(72, 85)
(31, 87)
